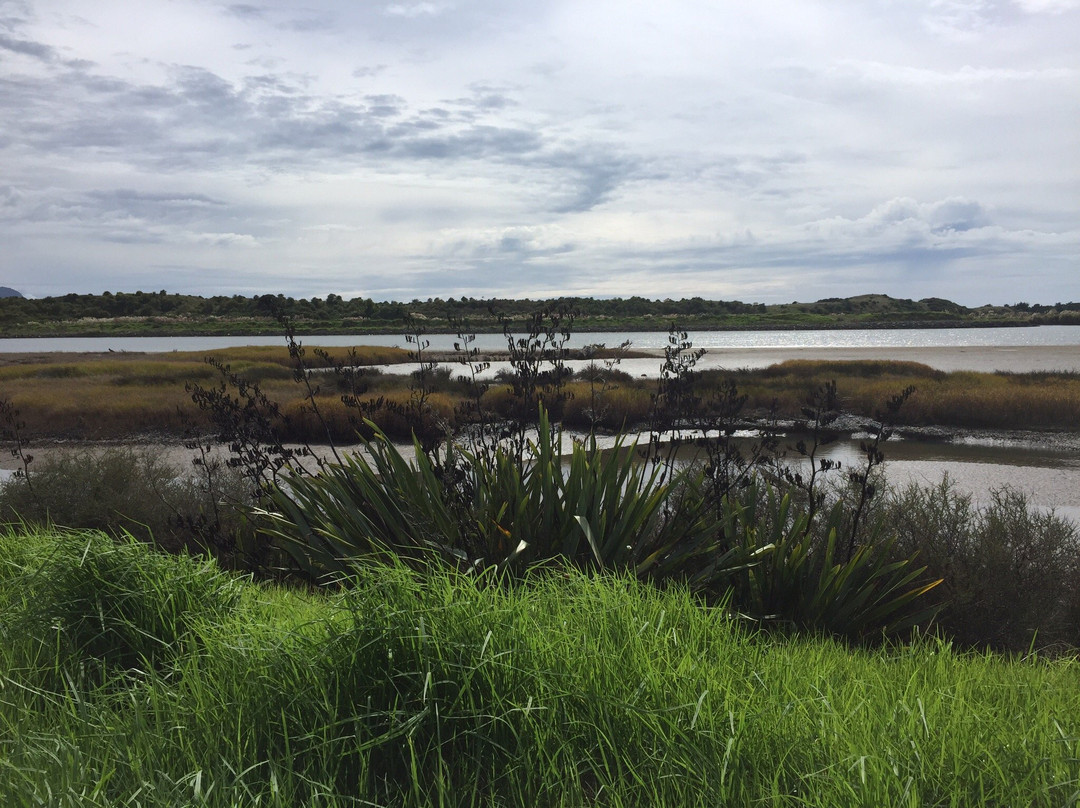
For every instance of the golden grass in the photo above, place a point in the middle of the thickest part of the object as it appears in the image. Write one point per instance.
(621, 405)
(962, 398)
(116, 396)
(364, 355)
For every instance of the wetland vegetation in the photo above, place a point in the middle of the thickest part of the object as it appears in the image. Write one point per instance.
(488, 622)
(114, 396)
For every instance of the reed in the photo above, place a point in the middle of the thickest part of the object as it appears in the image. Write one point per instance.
(323, 357)
(961, 399)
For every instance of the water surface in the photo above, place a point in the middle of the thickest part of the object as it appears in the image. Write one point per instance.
(856, 338)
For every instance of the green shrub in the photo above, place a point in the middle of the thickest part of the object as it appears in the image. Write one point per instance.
(1011, 573)
(495, 509)
(807, 582)
(598, 511)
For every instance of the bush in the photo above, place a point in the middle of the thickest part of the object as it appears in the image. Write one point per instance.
(129, 491)
(1011, 573)
(496, 509)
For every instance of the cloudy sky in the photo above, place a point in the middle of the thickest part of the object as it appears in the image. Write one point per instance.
(764, 151)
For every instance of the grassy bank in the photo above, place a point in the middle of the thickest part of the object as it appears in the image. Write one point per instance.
(116, 396)
(130, 677)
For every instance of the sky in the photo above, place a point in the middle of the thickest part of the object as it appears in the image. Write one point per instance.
(766, 151)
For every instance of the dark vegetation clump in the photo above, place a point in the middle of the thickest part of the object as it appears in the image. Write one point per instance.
(132, 491)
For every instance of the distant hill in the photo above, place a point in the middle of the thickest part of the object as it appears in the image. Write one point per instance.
(160, 313)
(7, 291)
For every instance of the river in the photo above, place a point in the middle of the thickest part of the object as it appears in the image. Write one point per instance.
(915, 338)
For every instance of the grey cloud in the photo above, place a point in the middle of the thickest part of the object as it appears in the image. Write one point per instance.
(745, 173)
(918, 220)
(128, 216)
(199, 120)
(590, 176)
(156, 206)
(477, 142)
(14, 14)
(368, 71)
(385, 106)
(246, 11)
(957, 214)
(311, 24)
(219, 120)
(484, 98)
(28, 48)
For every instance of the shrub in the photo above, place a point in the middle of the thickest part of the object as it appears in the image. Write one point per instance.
(128, 490)
(604, 510)
(1011, 573)
(807, 582)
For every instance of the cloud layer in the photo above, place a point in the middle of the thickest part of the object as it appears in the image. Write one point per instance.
(765, 152)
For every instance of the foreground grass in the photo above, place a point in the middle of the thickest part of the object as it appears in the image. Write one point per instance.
(129, 677)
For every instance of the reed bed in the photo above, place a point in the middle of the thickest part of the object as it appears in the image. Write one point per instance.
(131, 677)
(959, 399)
(112, 398)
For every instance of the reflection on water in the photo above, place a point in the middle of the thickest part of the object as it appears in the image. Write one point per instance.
(1050, 478)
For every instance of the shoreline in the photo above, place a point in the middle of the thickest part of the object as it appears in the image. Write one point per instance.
(986, 359)
(174, 451)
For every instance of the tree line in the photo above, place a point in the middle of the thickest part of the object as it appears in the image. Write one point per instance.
(86, 312)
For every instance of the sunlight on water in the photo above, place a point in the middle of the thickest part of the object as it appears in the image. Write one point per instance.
(645, 340)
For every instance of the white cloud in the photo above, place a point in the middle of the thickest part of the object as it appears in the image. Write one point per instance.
(1048, 6)
(415, 9)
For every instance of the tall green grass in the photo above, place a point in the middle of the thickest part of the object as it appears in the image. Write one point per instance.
(430, 691)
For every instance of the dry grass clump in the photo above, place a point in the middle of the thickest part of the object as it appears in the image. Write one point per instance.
(342, 423)
(961, 398)
(276, 354)
(611, 409)
(110, 396)
(866, 368)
